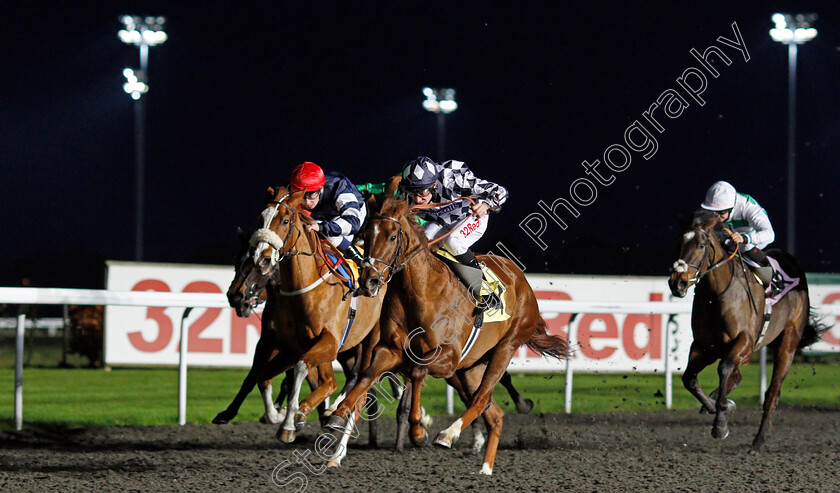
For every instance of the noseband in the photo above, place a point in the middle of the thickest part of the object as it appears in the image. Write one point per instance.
(267, 235)
(391, 267)
(682, 266)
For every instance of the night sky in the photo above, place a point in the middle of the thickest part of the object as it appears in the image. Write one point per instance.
(239, 96)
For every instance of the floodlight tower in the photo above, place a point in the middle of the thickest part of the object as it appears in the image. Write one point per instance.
(143, 33)
(792, 30)
(442, 102)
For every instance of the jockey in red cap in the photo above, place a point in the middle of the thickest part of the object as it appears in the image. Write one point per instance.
(334, 202)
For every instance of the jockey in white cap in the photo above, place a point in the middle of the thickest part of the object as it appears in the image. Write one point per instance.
(750, 225)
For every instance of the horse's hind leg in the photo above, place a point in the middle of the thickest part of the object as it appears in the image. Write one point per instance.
(783, 352)
(697, 361)
(523, 406)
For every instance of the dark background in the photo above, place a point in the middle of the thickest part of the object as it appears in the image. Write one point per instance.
(242, 93)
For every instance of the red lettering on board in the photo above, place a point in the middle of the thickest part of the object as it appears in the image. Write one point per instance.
(653, 323)
(827, 336)
(239, 331)
(586, 334)
(155, 313)
(198, 344)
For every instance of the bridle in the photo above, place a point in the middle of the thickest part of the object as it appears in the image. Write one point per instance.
(267, 235)
(391, 266)
(681, 265)
(402, 241)
(253, 290)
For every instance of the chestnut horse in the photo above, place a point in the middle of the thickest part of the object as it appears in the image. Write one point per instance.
(245, 293)
(321, 313)
(727, 318)
(426, 327)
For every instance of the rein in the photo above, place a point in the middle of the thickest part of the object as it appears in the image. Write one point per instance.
(440, 204)
(402, 236)
(702, 273)
(273, 239)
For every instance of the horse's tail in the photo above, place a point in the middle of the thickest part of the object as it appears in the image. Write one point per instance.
(546, 344)
(813, 330)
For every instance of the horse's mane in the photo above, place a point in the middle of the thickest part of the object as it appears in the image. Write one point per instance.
(396, 207)
(708, 221)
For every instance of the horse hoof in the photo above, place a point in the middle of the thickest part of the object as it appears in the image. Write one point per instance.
(730, 406)
(486, 469)
(221, 420)
(422, 441)
(720, 435)
(333, 463)
(524, 406)
(443, 440)
(286, 436)
(300, 422)
(336, 423)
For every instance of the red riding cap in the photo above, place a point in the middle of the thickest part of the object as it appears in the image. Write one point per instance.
(307, 176)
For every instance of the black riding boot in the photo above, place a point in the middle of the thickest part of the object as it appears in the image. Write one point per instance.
(468, 258)
(769, 276)
(352, 254)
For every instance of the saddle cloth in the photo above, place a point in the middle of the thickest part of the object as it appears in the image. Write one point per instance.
(490, 284)
(789, 282)
(345, 267)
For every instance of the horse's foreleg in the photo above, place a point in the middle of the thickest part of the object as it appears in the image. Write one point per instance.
(739, 353)
(697, 361)
(782, 359)
(286, 432)
(351, 363)
(262, 354)
(384, 360)
(418, 434)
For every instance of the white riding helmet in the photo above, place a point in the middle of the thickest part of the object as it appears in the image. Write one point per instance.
(719, 197)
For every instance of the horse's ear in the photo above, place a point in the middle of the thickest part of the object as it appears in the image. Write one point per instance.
(392, 184)
(240, 234)
(269, 194)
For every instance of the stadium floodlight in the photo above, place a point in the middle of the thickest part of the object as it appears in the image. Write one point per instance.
(142, 32)
(792, 30)
(440, 100)
(134, 85)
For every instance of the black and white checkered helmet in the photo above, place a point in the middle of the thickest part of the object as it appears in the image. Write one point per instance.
(419, 174)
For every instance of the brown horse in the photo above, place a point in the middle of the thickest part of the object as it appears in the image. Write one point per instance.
(426, 327)
(321, 313)
(727, 318)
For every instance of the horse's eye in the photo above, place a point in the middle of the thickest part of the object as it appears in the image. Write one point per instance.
(392, 238)
(701, 245)
(285, 221)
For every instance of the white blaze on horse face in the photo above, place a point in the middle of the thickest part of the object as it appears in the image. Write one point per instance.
(264, 238)
(689, 236)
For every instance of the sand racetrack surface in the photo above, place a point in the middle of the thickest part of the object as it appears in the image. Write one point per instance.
(645, 451)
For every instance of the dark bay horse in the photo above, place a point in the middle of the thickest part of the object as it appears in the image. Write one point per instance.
(426, 327)
(727, 318)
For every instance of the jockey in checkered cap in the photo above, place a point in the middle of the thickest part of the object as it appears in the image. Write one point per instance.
(750, 225)
(425, 181)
